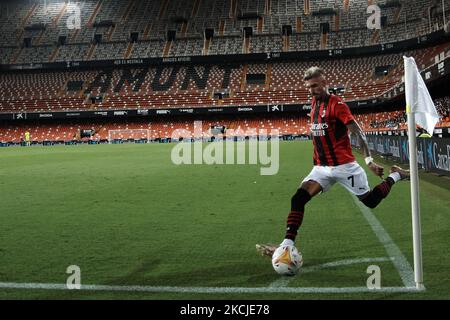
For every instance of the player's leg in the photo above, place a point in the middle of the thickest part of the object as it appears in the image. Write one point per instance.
(317, 181)
(354, 179)
(373, 198)
(307, 190)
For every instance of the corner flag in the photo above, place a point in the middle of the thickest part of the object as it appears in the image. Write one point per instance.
(419, 108)
(418, 99)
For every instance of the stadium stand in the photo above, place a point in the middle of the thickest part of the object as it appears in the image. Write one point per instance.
(158, 129)
(193, 86)
(292, 124)
(34, 32)
(114, 21)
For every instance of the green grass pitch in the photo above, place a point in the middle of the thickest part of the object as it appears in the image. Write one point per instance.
(126, 215)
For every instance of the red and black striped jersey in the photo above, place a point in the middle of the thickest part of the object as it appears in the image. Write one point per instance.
(329, 131)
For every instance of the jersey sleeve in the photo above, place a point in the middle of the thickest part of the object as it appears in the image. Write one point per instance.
(342, 112)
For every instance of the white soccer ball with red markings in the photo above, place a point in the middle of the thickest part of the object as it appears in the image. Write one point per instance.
(287, 260)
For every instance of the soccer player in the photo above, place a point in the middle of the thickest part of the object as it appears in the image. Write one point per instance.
(331, 121)
(27, 139)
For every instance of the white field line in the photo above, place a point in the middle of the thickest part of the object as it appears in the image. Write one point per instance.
(398, 259)
(219, 290)
(284, 281)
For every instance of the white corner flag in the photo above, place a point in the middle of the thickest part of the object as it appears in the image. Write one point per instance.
(418, 99)
(420, 109)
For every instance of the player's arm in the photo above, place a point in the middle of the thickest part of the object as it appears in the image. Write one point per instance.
(355, 129)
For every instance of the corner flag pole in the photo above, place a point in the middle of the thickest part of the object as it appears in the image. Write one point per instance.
(420, 109)
(415, 203)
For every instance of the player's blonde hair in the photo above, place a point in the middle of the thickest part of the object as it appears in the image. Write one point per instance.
(313, 72)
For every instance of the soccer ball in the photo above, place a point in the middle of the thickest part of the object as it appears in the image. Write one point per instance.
(286, 260)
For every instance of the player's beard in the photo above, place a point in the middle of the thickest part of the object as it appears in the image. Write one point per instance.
(320, 96)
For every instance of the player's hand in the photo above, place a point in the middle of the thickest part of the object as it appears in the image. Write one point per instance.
(377, 169)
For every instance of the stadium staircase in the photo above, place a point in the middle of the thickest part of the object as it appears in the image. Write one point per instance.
(167, 47)
(243, 77)
(110, 32)
(147, 30)
(74, 37)
(323, 41)
(25, 22)
(306, 7)
(54, 54)
(59, 16)
(268, 77)
(195, 8)
(267, 7)
(337, 21)
(91, 20)
(233, 8)
(129, 50)
(127, 13)
(346, 5)
(298, 24)
(163, 9)
(16, 56)
(206, 45)
(246, 45)
(91, 51)
(375, 37)
(260, 25)
(221, 27)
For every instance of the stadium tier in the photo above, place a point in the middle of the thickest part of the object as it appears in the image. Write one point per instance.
(179, 85)
(59, 30)
(164, 128)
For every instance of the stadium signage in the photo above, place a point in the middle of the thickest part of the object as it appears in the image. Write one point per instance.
(30, 66)
(336, 52)
(435, 37)
(72, 64)
(142, 112)
(162, 111)
(273, 55)
(120, 113)
(177, 59)
(275, 108)
(387, 46)
(380, 148)
(128, 61)
(433, 154)
(174, 111)
(441, 160)
(245, 109)
(394, 149)
(20, 116)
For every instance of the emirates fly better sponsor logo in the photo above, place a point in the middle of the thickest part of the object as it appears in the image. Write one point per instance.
(319, 129)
